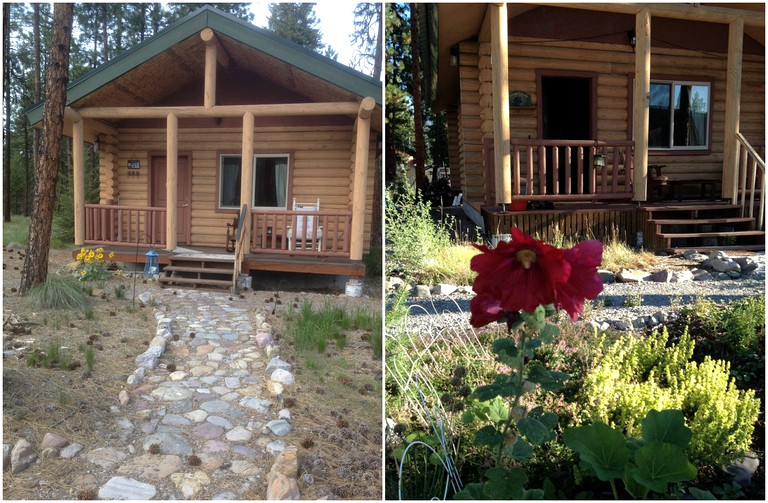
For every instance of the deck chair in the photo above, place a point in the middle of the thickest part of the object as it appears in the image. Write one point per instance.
(232, 235)
(306, 230)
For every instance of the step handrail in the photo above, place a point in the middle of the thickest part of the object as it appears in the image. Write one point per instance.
(750, 161)
(239, 248)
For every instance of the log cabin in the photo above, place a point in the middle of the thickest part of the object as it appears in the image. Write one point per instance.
(592, 119)
(172, 120)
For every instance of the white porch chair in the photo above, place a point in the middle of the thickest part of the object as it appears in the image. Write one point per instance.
(306, 232)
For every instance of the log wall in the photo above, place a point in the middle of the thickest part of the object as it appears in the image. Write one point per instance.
(321, 166)
(614, 66)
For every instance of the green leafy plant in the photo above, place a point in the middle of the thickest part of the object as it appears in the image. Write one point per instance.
(647, 464)
(93, 266)
(414, 239)
(635, 375)
(633, 300)
(119, 291)
(514, 430)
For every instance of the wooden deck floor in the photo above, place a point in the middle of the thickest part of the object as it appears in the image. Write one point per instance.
(252, 262)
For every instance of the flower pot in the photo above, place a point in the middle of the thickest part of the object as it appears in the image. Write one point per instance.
(518, 205)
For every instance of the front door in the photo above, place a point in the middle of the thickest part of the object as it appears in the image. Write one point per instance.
(566, 115)
(183, 194)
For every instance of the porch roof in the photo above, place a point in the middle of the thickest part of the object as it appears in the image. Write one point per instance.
(131, 79)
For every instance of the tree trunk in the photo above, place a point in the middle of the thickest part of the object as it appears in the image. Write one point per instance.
(379, 45)
(7, 90)
(35, 268)
(28, 188)
(418, 112)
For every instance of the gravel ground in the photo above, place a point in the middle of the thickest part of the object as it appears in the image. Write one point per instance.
(609, 306)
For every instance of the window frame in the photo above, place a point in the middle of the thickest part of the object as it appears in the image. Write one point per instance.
(673, 82)
(220, 173)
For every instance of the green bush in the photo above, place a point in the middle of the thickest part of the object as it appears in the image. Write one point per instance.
(414, 239)
(58, 292)
(744, 324)
(312, 330)
(636, 375)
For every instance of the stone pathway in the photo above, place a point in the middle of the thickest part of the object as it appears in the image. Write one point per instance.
(202, 417)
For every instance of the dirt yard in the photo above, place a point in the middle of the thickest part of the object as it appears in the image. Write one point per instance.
(336, 405)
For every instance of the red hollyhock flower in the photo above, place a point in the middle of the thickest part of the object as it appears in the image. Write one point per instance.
(526, 273)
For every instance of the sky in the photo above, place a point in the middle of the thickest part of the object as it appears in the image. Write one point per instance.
(335, 20)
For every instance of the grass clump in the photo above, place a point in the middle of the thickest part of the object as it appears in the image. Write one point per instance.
(312, 329)
(52, 357)
(617, 255)
(58, 292)
(16, 232)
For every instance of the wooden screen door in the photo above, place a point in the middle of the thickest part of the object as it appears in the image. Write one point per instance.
(183, 194)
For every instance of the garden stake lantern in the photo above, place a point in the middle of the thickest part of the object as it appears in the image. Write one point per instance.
(151, 266)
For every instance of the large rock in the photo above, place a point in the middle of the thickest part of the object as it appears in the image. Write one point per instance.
(279, 427)
(631, 276)
(747, 264)
(287, 462)
(22, 456)
(682, 276)
(276, 363)
(444, 289)
(281, 488)
(282, 376)
(53, 440)
(106, 457)
(71, 451)
(149, 358)
(190, 484)
(663, 276)
(151, 466)
(122, 488)
(607, 276)
(7, 448)
(422, 292)
(146, 298)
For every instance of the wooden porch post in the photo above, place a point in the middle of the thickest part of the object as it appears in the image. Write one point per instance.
(246, 177)
(209, 99)
(363, 134)
(78, 178)
(642, 93)
(171, 175)
(730, 184)
(500, 80)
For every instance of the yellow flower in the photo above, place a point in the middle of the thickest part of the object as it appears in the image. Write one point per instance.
(111, 255)
(118, 272)
(91, 254)
(99, 249)
(82, 273)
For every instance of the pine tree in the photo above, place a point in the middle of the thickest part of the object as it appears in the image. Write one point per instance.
(296, 22)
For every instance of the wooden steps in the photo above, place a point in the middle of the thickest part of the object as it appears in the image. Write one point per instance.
(703, 226)
(199, 270)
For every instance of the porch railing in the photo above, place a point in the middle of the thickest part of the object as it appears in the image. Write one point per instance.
(273, 231)
(115, 224)
(751, 180)
(572, 169)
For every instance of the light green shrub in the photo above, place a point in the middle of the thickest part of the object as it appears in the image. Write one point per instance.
(414, 239)
(633, 376)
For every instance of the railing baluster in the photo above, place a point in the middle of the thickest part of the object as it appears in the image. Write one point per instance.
(567, 188)
(743, 178)
(515, 171)
(580, 170)
(542, 170)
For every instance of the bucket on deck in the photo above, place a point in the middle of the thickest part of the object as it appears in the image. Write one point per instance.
(354, 288)
(244, 282)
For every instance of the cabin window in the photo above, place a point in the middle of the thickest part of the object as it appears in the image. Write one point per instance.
(679, 115)
(270, 181)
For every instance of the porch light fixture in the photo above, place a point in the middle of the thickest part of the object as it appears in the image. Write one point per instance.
(632, 37)
(151, 265)
(598, 161)
(96, 144)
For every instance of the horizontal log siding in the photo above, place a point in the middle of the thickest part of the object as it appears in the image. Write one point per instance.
(454, 149)
(614, 65)
(469, 120)
(321, 167)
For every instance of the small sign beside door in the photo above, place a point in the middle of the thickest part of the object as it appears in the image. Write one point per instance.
(134, 165)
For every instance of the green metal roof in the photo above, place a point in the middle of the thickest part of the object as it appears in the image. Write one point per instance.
(252, 36)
